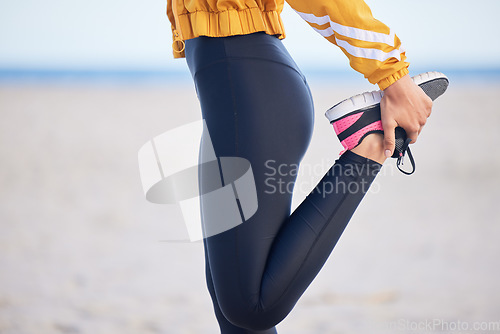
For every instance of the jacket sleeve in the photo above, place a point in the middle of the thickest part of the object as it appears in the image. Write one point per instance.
(372, 48)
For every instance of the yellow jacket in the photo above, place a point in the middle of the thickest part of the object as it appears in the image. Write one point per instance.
(372, 48)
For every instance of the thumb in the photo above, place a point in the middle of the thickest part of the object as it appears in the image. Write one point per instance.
(389, 140)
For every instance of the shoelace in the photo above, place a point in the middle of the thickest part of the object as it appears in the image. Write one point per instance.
(402, 146)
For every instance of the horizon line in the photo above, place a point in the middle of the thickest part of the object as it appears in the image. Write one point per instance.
(167, 75)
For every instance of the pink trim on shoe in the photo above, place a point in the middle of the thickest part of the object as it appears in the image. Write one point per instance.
(343, 123)
(353, 140)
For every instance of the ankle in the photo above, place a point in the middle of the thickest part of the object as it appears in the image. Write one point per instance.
(372, 147)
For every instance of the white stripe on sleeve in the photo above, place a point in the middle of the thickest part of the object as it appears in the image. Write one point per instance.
(311, 18)
(355, 51)
(324, 32)
(356, 33)
(368, 53)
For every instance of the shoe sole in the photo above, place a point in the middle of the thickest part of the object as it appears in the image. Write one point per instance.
(434, 84)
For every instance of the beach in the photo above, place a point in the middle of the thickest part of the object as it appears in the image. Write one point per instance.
(83, 251)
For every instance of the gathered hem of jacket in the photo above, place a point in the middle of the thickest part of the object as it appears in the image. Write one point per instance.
(229, 23)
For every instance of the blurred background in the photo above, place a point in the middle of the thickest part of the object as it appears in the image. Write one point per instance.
(84, 84)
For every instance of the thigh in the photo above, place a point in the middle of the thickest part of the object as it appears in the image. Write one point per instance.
(257, 107)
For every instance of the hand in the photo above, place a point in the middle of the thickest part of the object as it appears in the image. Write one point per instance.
(406, 105)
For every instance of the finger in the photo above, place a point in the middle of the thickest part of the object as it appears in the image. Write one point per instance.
(422, 122)
(428, 106)
(420, 130)
(413, 135)
(389, 140)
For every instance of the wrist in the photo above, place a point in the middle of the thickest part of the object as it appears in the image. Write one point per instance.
(391, 79)
(399, 87)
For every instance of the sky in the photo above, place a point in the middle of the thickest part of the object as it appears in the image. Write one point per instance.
(135, 35)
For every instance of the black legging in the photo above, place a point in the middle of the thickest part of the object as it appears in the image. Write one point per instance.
(257, 106)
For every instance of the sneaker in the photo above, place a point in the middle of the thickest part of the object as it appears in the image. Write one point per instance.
(355, 118)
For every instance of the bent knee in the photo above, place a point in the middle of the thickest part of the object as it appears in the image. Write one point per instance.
(254, 319)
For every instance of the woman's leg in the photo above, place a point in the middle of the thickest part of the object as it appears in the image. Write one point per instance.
(257, 106)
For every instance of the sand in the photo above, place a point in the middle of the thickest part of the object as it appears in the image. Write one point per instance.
(82, 251)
